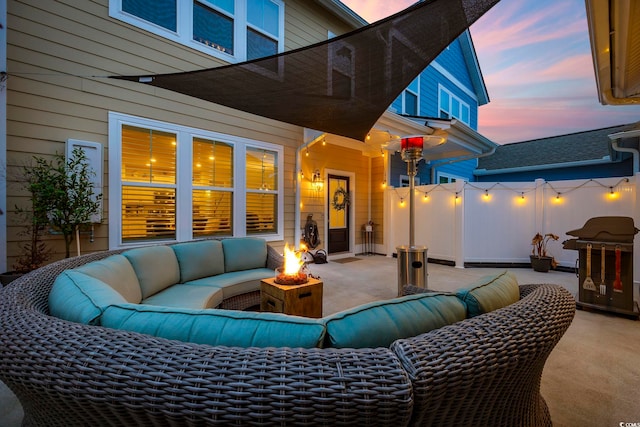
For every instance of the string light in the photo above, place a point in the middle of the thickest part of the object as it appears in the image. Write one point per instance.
(611, 192)
(384, 184)
(401, 201)
(307, 153)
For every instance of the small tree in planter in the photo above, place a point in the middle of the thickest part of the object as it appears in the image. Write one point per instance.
(541, 260)
(63, 188)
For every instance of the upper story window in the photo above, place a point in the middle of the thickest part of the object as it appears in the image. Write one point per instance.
(450, 106)
(411, 97)
(233, 30)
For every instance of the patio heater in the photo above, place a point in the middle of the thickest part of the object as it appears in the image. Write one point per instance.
(412, 259)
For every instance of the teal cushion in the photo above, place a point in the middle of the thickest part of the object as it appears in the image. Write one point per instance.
(156, 267)
(81, 298)
(117, 272)
(217, 327)
(236, 282)
(199, 259)
(380, 323)
(186, 296)
(490, 293)
(244, 253)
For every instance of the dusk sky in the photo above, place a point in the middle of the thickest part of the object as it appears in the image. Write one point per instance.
(535, 58)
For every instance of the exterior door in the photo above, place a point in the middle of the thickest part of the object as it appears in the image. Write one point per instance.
(338, 218)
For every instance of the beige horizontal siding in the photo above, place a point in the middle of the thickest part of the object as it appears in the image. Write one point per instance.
(59, 56)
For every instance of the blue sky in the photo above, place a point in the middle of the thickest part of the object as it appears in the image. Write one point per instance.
(535, 58)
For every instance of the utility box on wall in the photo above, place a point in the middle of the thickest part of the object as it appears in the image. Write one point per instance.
(605, 271)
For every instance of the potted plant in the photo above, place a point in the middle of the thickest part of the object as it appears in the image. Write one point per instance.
(62, 198)
(33, 251)
(64, 190)
(540, 258)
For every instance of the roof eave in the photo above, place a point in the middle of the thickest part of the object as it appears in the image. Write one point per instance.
(343, 12)
(471, 58)
(482, 172)
(616, 68)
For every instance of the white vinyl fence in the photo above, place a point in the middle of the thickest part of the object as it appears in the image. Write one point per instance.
(484, 222)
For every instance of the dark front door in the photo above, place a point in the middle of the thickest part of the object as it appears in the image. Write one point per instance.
(338, 221)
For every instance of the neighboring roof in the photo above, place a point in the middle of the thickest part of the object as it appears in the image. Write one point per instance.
(614, 33)
(574, 149)
(342, 85)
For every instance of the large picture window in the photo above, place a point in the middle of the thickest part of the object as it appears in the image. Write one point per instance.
(233, 30)
(169, 182)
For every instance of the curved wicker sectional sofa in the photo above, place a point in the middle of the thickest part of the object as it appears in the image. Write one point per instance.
(484, 370)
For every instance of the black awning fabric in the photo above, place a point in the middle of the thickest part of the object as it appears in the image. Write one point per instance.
(340, 86)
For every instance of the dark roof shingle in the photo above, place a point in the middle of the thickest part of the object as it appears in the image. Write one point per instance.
(573, 147)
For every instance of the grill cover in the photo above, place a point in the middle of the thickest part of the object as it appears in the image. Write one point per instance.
(607, 229)
(340, 86)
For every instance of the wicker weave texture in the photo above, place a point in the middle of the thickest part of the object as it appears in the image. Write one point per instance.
(68, 374)
(481, 371)
(486, 371)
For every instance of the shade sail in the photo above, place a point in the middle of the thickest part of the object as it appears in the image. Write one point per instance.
(340, 86)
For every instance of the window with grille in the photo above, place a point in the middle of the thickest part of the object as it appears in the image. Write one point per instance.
(170, 182)
(450, 106)
(233, 30)
(148, 184)
(411, 97)
(262, 190)
(212, 194)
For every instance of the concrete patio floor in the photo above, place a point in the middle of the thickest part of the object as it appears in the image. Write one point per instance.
(590, 379)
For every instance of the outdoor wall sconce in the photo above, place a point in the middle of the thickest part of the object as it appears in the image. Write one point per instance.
(316, 181)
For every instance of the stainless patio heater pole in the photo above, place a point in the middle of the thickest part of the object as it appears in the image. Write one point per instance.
(412, 259)
(411, 152)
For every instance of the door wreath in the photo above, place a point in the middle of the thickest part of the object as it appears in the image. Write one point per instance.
(340, 199)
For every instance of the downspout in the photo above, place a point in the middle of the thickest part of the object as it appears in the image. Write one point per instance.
(636, 154)
(298, 179)
(460, 159)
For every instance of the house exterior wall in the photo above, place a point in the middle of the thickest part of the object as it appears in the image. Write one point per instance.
(59, 54)
(336, 158)
(449, 72)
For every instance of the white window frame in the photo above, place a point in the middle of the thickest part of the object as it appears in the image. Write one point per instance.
(184, 27)
(453, 114)
(405, 181)
(450, 177)
(184, 185)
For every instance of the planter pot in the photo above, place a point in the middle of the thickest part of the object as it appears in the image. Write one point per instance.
(541, 264)
(8, 277)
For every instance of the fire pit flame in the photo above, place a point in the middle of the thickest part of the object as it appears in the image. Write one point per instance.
(290, 274)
